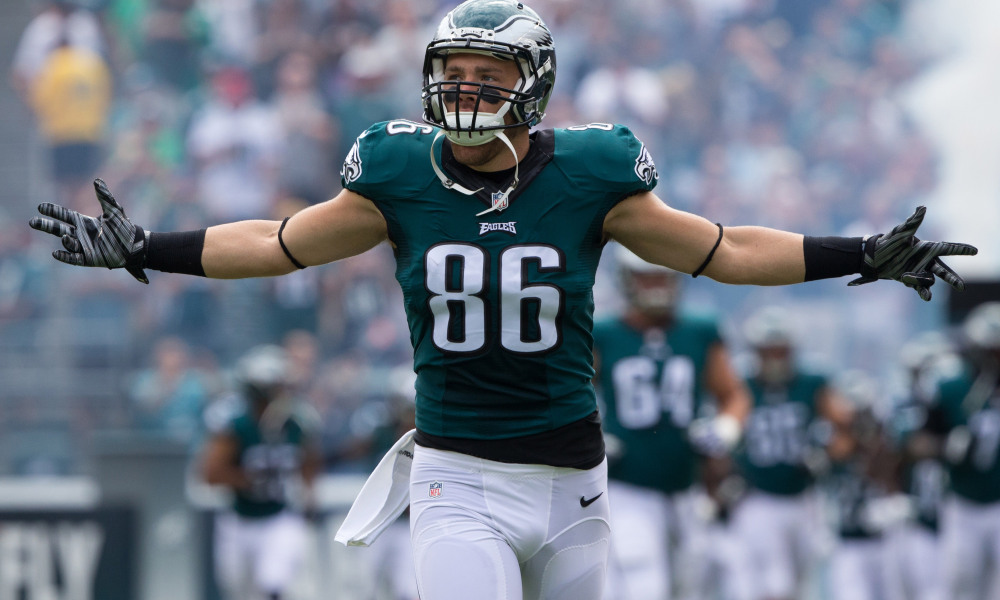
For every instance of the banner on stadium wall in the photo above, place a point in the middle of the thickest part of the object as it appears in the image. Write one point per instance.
(68, 554)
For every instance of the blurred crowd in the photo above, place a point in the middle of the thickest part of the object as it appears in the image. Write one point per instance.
(195, 112)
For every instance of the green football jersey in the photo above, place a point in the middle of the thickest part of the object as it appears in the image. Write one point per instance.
(776, 436)
(270, 464)
(977, 476)
(652, 386)
(851, 494)
(499, 304)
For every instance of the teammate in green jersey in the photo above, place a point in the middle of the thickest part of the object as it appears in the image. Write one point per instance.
(796, 415)
(861, 487)
(918, 426)
(656, 366)
(262, 445)
(497, 232)
(970, 402)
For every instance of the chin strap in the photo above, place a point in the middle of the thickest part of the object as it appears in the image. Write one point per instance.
(500, 201)
(448, 183)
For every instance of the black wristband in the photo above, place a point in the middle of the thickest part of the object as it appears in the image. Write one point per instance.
(828, 257)
(176, 252)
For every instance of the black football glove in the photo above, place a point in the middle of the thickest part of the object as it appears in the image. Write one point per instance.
(110, 240)
(900, 256)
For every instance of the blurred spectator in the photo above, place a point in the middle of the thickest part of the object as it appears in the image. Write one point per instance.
(235, 143)
(71, 99)
(168, 397)
(61, 22)
(621, 91)
(234, 27)
(308, 166)
(174, 34)
(285, 30)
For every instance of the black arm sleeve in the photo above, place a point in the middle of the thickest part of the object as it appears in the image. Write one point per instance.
(178, 252)
(828, 257)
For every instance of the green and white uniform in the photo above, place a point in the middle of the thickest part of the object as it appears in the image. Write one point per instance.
(652, 387)
(260, 543)
(776, 438)
(970, 523)
(500, 306)
(858, 567)
(272, 465)
(500, 310)
(779, 519)
(977, 476)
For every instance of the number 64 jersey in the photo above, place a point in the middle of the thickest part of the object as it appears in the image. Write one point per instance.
(498, 288)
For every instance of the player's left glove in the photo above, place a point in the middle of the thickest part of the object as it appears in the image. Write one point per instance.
(714, 436)
(110, 240)
(900, 256)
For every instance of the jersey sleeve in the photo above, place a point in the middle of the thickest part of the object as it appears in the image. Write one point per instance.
(608, 157)
(389, 160)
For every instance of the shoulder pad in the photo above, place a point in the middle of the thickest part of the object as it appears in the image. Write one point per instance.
(609, 153)
(389, 159)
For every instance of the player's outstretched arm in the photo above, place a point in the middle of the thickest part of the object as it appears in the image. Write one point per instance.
(346, 225)
(764, 256)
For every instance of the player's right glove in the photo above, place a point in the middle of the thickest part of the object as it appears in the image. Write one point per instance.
(110, 240)
(900, 256)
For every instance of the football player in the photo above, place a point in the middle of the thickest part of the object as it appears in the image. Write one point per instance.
(655, 366)
(262, 445)
(497, 231)
(796, 419)
(862, 489)
(915, 556)
(970, 402)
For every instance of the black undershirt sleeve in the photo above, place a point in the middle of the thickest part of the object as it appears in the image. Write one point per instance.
(828, 257)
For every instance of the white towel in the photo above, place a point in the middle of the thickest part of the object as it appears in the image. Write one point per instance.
(384, 497)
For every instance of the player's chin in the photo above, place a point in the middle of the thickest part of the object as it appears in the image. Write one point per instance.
(477, 156)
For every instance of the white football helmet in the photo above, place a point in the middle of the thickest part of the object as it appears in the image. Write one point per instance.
(981, 328)
(771, 334)
(647, 287)
(263, 372)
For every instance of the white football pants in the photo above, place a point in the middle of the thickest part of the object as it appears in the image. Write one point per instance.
(495, 531)
(971, 546)
(782, 537)
(261, 554)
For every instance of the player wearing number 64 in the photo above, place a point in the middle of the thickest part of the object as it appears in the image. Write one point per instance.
(500, 317)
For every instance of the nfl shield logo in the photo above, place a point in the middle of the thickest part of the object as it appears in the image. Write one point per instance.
(435, 490)
(499, 201)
